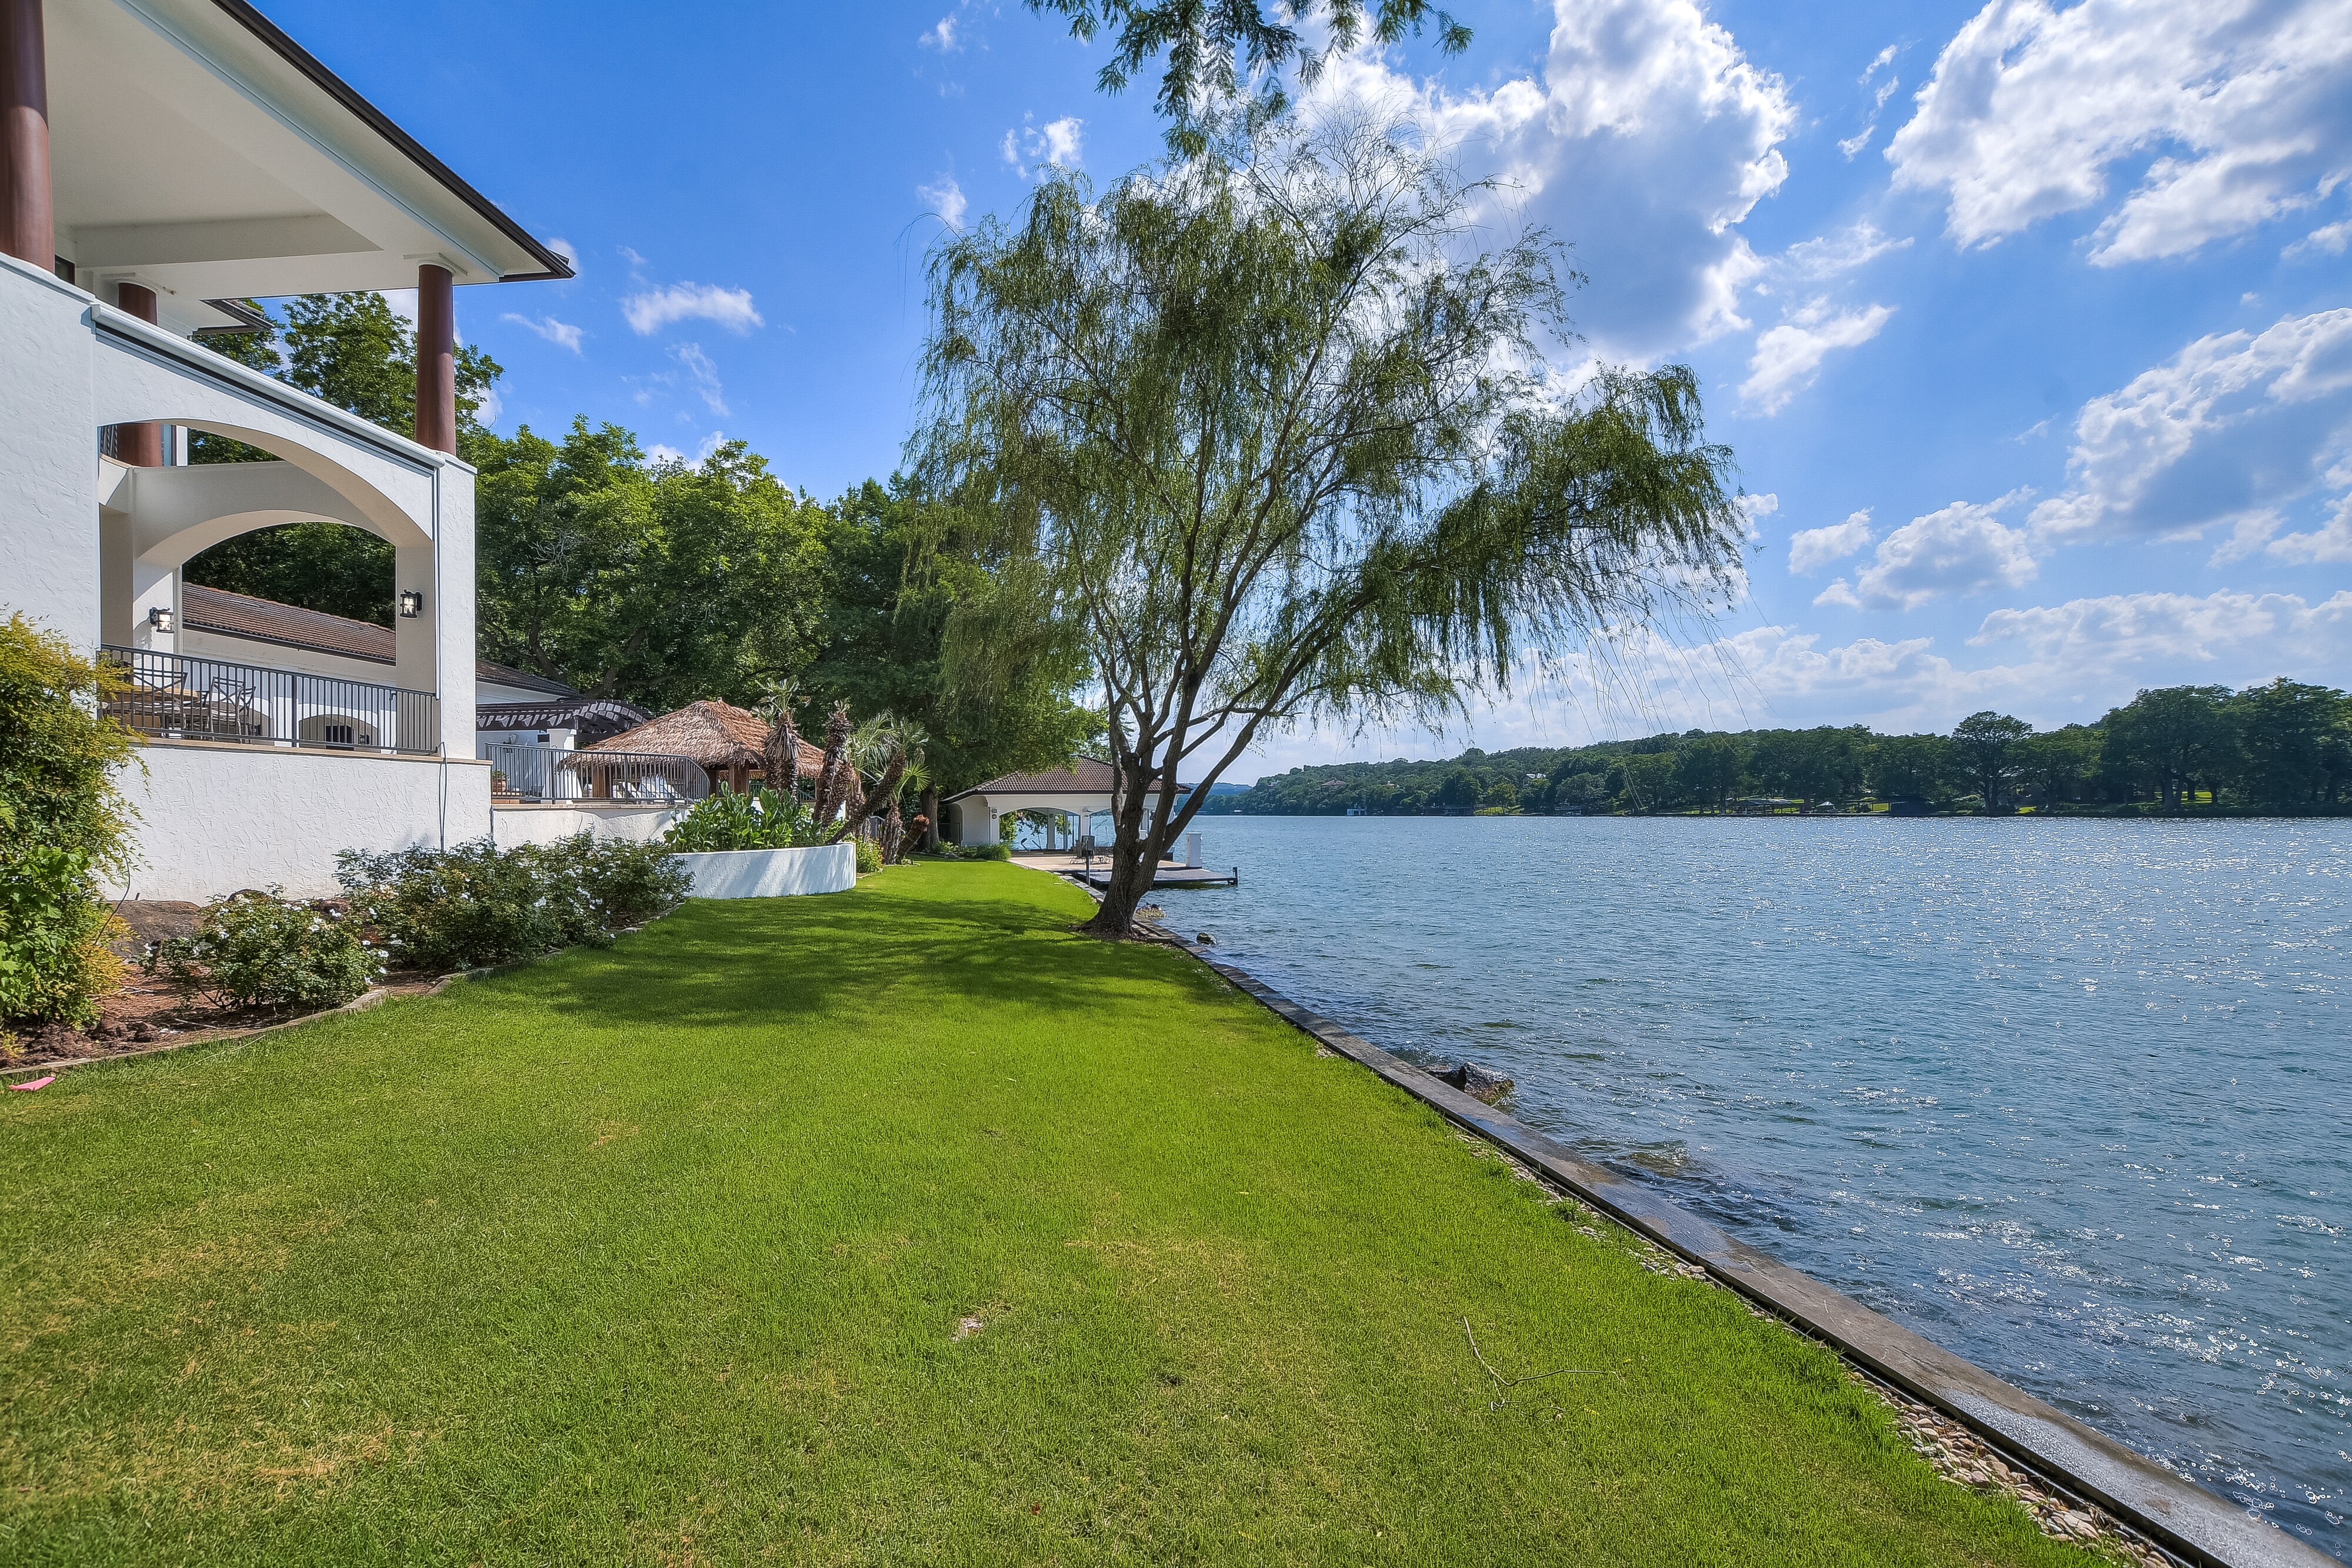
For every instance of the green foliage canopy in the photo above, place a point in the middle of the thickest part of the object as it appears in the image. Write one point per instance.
(1257, 430)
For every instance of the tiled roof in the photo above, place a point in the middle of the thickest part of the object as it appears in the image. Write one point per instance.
(594, 718)
(1087, 776)
(226, 614)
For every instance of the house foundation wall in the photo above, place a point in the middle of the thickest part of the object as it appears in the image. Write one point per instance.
(216, 818)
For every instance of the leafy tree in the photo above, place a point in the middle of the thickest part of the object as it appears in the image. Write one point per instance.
(1502, 793)
(1910, 767)
(1709, 770)
(1647, 781)
(330, 567)
(1823, 764)
(1460, 790)
(2282, 728)
(2057, 762)
(2168, 738)
(1984, 748)
(1202, 39)
(356, 352)
(1252, 428)
(2335, 756)
(881, 638)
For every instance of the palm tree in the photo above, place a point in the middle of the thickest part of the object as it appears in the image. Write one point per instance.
(780, 757)
(829, 772)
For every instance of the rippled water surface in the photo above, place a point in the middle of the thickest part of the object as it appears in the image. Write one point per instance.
(2069, 1097)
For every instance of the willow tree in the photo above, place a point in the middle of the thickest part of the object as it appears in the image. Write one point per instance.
(1266, 428)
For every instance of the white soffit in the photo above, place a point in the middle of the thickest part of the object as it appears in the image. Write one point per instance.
(196, 149)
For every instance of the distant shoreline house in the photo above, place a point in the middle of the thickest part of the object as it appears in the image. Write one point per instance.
(162, 161)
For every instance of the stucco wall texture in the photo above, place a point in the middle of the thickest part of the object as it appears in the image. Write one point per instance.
(515, 825)
(214, 819)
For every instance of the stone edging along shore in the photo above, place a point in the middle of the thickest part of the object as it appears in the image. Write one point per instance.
(2179, 1515)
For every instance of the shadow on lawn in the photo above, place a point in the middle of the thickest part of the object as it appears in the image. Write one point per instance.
(752, 961)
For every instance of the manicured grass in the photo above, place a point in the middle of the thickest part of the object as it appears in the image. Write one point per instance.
(656, 1254)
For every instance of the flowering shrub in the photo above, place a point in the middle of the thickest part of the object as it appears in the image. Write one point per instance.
(257, 950)
(869, 856)
(474, 904)
(763, 819)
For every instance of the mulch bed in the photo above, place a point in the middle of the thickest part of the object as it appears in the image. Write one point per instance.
(145, 1012)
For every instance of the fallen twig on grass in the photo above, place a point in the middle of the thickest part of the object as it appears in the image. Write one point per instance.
(1502, 1382)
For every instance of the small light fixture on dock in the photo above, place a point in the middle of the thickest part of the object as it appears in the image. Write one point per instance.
(412, 604)
(161, 619)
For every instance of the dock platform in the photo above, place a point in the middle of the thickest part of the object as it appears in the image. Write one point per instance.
(1170, 874)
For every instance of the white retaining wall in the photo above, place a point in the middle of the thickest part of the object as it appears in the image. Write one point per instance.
(216, 819)
(512, 825)
(773, 874)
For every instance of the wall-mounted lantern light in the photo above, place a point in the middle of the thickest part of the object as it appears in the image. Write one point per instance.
(161, 619)
(412, 604)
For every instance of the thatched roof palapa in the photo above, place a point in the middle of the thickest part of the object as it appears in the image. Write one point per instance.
(713, 734)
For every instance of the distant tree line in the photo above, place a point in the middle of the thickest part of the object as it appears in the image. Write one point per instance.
(2283, 746)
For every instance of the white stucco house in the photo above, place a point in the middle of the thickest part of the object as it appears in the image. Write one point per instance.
(161, 160)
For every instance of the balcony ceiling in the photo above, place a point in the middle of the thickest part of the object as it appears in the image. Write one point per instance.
(197, 150)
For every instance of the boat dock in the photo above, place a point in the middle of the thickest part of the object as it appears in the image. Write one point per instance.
(1170, 874)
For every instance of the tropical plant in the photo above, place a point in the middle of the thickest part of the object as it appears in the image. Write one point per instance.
(1258, 428)
(64, 827)
(259, 950)
(762, 820)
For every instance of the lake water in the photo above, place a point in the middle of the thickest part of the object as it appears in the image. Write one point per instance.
(2069, 1097)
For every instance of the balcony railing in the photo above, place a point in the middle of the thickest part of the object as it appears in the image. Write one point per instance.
(177, 696)
(543, 773)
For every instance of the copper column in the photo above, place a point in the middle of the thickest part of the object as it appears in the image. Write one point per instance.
(140, 445)
(436, 359)
(27, 223)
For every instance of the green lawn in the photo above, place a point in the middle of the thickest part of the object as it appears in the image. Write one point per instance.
(656, 1255)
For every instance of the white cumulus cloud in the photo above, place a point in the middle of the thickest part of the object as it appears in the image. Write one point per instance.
(942, 36)
(1029, 148)
(2229, 433)
(651, 310)
(2229, 112)
(1644, 141)
(1810, 550)
(945, 197)
(1789, 355)
(562, 334)
(1961, 549)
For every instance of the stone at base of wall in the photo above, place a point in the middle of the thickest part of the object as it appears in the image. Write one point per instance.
(773, 874)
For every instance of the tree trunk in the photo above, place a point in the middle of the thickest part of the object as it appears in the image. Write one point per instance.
(1134, 859)
(928, 841)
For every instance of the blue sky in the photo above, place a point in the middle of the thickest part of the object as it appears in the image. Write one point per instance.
(2031, 325)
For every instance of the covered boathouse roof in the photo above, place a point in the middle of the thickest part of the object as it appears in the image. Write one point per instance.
(1087, 776)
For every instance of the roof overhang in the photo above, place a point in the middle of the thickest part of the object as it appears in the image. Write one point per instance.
(197, 150)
